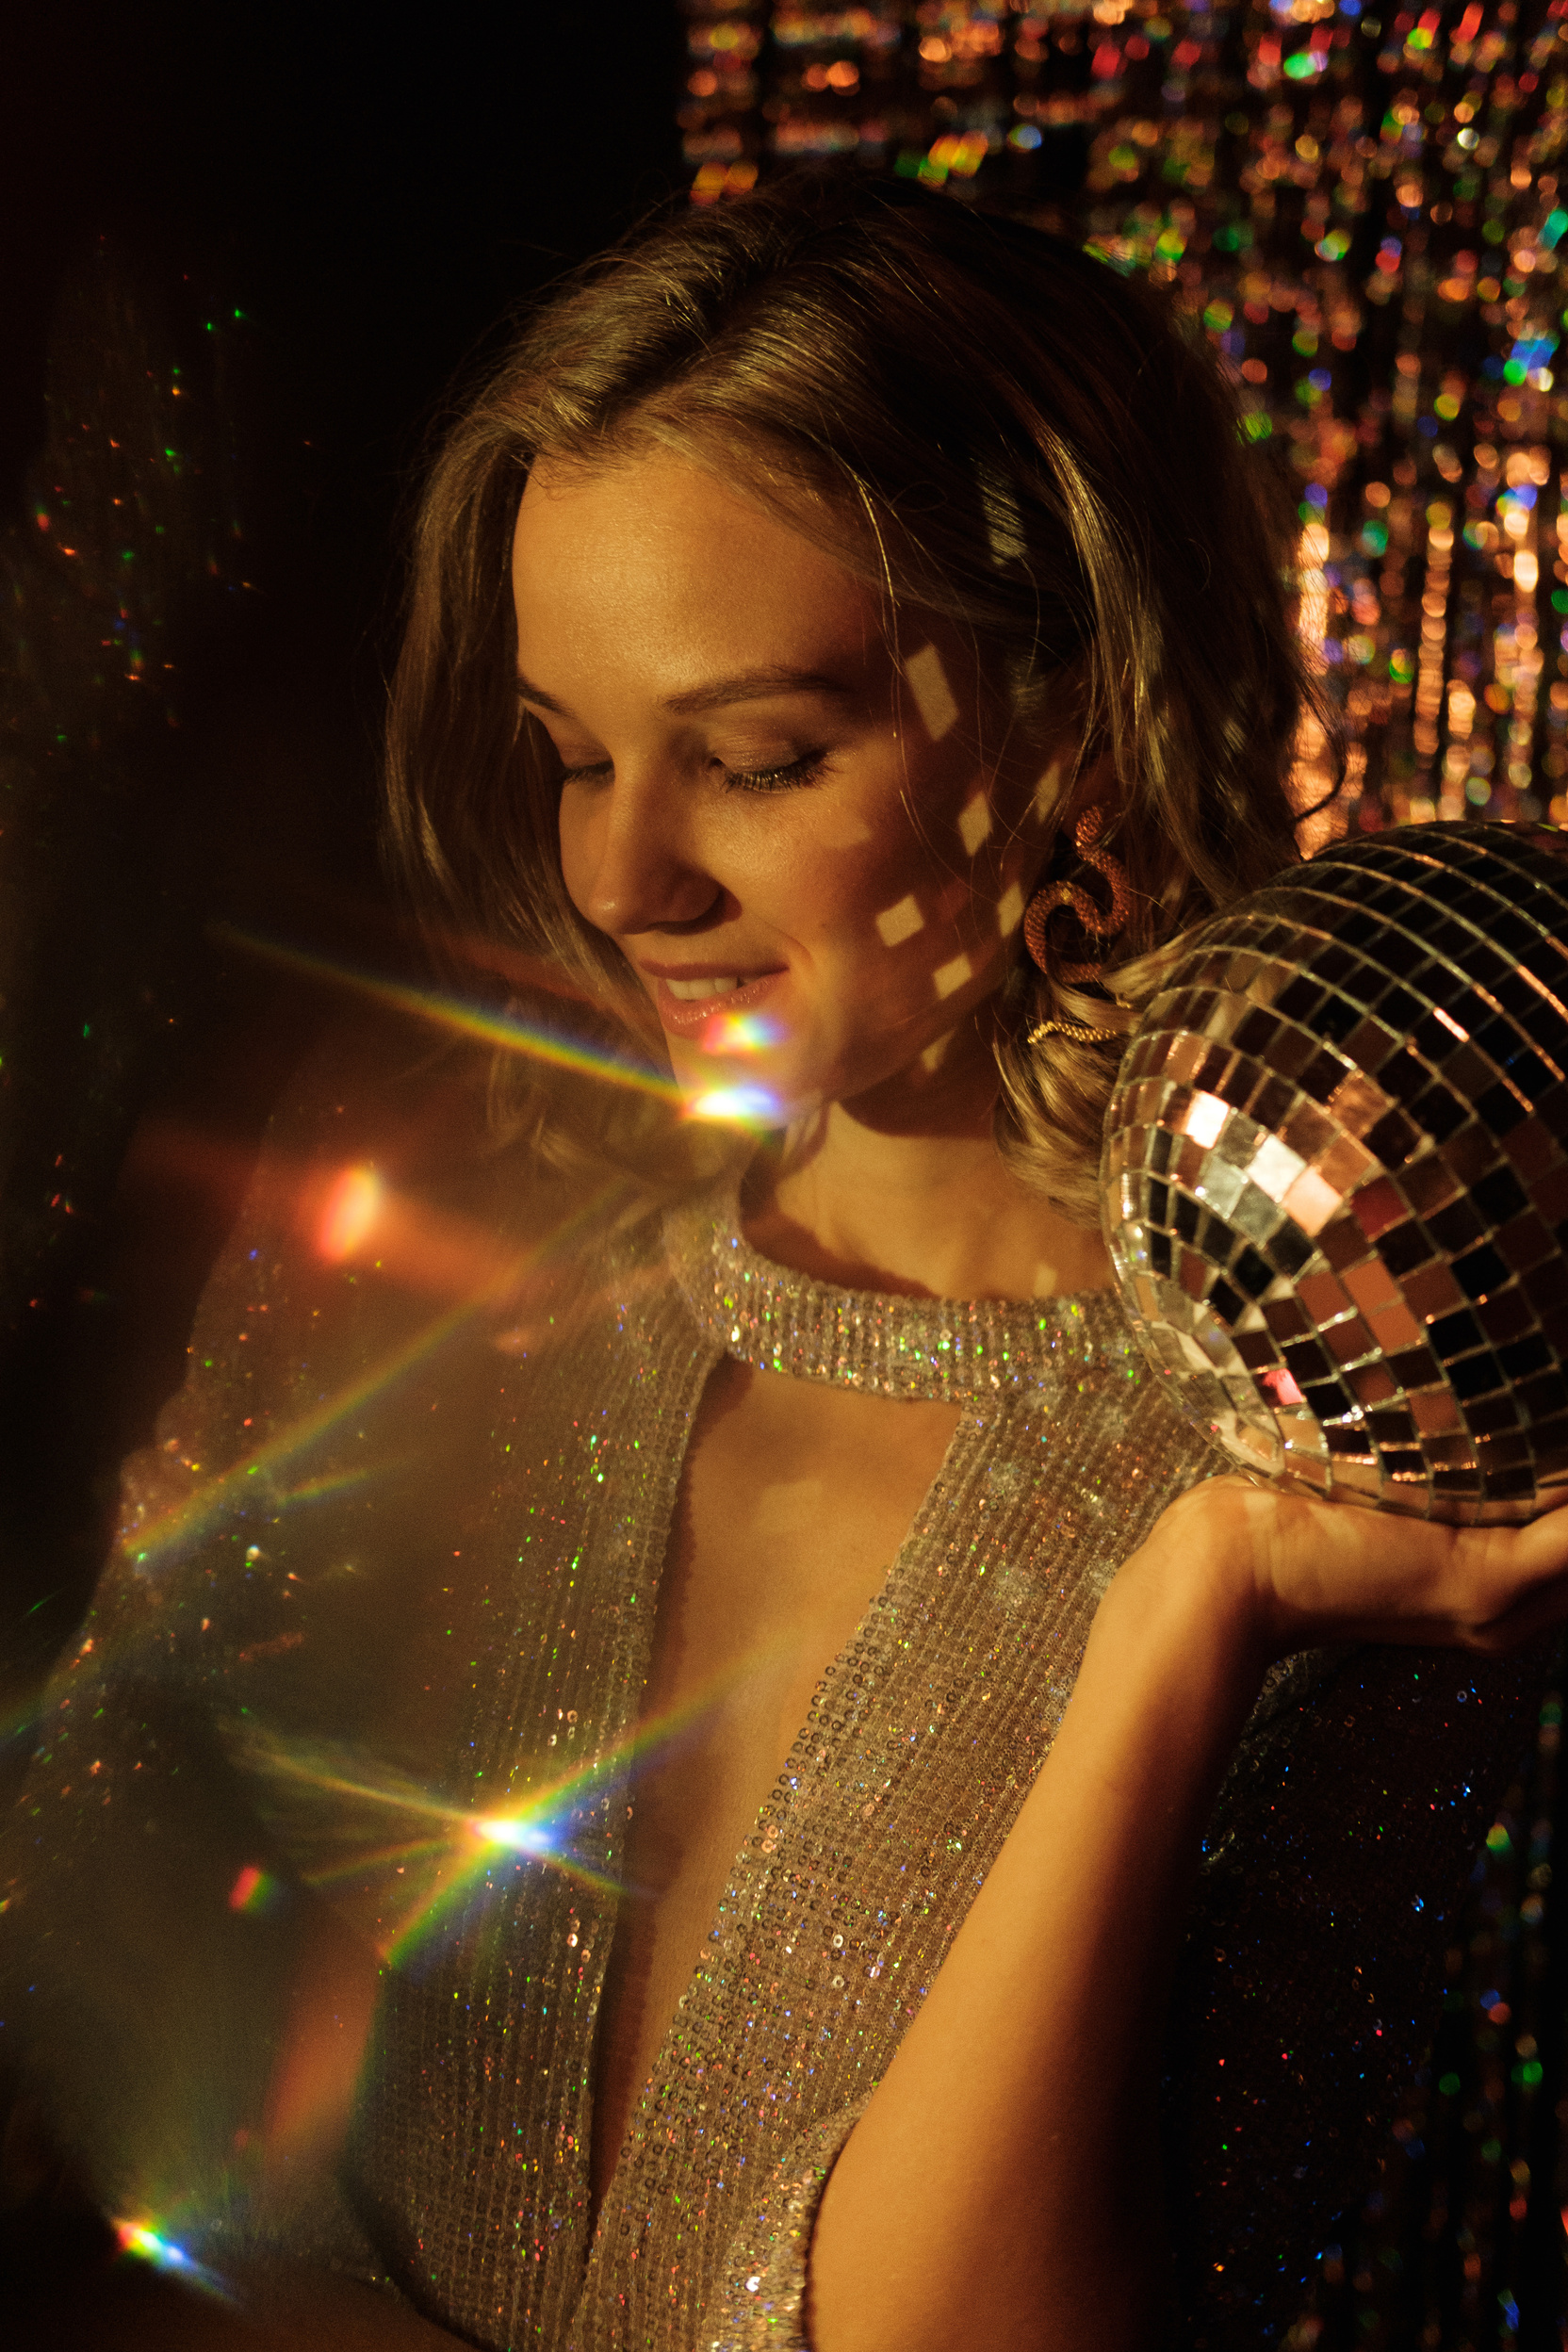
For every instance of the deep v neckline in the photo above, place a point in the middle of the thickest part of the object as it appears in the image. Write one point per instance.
(976, 1354)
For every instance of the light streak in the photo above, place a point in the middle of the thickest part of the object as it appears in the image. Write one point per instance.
(461, 1017)
(443, 1852)
(748, 1106)
(256, 1484)
(315, 1791)
(262, 1484)
(259, 1483)
(328, 1487)
(522, 1837)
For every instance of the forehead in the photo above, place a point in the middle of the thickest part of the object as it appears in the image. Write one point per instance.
(658, 546)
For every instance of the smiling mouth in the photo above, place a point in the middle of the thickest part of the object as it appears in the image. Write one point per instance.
(692, 992)
(705, 1006)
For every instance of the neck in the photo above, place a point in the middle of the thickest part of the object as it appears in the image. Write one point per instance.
(903, 1190)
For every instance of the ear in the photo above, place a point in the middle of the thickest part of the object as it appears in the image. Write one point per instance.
(1068, 787)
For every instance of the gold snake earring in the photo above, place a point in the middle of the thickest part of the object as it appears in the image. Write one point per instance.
(1105, 926)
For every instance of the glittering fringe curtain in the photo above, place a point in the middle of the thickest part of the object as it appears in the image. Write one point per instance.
(1363, 211)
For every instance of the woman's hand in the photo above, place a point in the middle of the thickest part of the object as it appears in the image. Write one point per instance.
(1296, 1573)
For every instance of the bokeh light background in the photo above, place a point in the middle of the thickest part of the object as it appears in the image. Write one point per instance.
(1361, 211)
(1362, 207)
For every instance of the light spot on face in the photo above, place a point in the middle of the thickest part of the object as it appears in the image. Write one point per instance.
(935, 1054)
(953, 975)
(841, 828)
(1048, 791)
(1009, 914)
(901, 922)
(927, 682)
(741, 1033)
(974, 823)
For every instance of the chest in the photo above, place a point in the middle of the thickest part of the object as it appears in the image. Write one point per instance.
(793, 1503)
(794, 1500)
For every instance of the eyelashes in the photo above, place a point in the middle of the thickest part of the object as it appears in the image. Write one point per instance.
(805, 769)
(790, 777)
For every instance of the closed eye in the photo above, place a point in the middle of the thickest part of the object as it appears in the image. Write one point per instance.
(805, 769)
(791, 776)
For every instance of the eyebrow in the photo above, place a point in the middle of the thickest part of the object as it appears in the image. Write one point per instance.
(746, 686)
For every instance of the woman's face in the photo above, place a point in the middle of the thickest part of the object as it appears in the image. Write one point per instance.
(800, 848)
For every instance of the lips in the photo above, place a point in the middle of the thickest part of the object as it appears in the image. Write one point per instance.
(703, 995)
(692, 992)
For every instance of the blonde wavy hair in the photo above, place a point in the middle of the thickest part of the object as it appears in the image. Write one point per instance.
(985, 424)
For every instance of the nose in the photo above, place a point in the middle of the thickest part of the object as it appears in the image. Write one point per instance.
(630, 858)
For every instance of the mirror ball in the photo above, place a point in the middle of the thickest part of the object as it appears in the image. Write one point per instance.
(1335, 1178)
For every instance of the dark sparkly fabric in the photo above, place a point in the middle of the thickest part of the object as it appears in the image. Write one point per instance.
(447, 1590)
(1313, 1975)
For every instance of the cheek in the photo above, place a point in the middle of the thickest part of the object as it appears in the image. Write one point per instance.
(840, 889)
(907, 891)
(915, 928)
(893, 937)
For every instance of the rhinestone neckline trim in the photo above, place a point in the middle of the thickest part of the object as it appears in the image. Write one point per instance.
(886, 1345)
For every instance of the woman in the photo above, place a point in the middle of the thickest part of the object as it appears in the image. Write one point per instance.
(828, 594)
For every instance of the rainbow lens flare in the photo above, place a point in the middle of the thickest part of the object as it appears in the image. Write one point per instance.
(464, 1016)
(744, 1105)
(145, 2244)
(741, 1033)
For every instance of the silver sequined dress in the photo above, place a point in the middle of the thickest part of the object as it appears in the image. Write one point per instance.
(472, 1605)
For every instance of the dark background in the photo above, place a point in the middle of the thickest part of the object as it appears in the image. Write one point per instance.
(359, 196)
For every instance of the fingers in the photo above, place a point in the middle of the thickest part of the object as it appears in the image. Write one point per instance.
(1538, 1611)
(1510, 1582)
(1542, 1612)
(1311, 1572)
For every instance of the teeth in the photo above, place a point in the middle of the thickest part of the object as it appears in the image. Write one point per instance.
(689, 991)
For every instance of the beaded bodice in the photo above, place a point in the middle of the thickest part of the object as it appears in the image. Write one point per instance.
(446, 1595)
